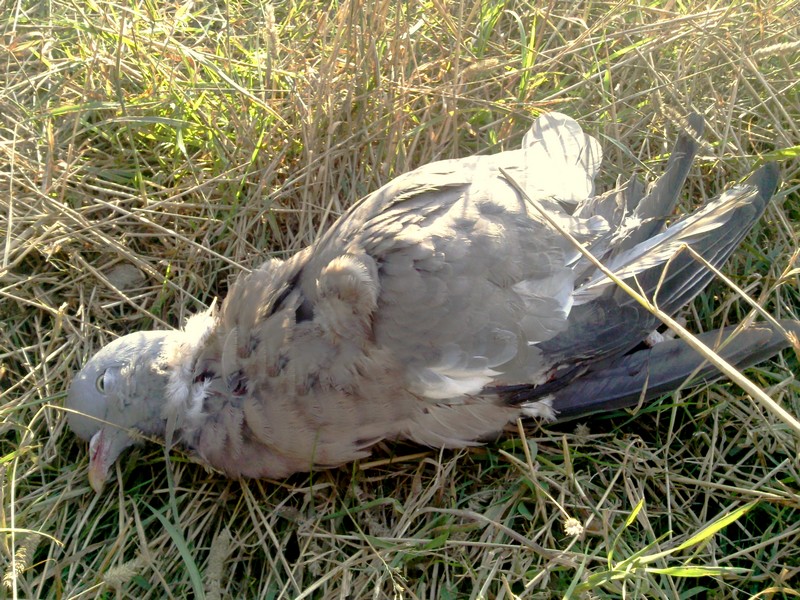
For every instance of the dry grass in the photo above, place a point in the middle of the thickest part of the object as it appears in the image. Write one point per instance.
(153, 150)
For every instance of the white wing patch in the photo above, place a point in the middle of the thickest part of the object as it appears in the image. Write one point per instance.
(458, 373)
(548, 302)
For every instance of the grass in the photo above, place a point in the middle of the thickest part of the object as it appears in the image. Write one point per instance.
(151, 151)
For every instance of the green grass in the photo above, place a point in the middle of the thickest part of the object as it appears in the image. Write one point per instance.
(151, 151)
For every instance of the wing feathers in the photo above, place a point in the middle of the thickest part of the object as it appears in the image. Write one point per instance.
(668, 365)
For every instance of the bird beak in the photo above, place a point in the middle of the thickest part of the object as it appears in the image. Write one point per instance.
(104, 448)
(98, 461)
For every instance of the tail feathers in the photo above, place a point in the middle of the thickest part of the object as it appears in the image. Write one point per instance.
(714, 232)
(633, 193)
(664, 368)
(635, 214)
(685, 276)
(657, 206)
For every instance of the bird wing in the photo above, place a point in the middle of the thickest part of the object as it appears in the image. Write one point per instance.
(652, 372)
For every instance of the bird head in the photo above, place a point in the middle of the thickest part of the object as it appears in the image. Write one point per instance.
(119, 392)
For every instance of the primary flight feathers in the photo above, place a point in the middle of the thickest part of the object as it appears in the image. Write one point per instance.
(438, 309)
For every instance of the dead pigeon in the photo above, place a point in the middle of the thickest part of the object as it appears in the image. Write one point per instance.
(439, 309)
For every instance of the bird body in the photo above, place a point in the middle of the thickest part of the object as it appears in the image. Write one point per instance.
(438, 309)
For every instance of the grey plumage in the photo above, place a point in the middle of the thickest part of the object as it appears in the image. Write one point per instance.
(438, 309)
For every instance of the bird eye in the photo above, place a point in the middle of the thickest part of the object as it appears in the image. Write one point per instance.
(100, 383)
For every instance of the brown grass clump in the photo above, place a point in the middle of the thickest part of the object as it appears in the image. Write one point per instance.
(151, 151)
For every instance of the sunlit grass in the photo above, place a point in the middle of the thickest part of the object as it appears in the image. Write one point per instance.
(151, 151)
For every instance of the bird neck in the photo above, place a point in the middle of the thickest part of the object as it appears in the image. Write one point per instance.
(185, 392)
